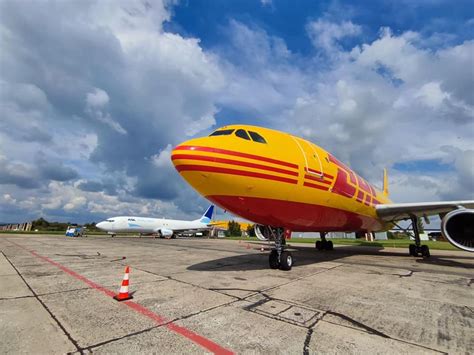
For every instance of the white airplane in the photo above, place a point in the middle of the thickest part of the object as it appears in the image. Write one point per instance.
(161, 226)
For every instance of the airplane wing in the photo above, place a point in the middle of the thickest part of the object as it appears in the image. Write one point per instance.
(399, 211)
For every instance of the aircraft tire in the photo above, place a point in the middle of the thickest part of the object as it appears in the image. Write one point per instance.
(273, 260)
(286, 261)
(319, 245)
(412, 249)
(329, 245)
(425, 251)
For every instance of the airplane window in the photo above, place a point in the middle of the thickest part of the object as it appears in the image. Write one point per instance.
(131, 219)
(110, 220)
(242, 134)
(222, 132)
(257, 137)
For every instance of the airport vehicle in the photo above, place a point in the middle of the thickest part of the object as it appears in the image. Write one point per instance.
(286, 183)
(157, 226)
(75, 231)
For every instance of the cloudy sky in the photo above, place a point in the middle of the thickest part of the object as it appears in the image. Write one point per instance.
(93, 95)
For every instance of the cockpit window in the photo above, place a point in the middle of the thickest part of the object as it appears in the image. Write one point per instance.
(242, 134)
(131, 219)
(222, 132)
(257, 137)
(110, 220)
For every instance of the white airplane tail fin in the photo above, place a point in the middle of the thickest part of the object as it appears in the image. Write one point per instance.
(207, 216)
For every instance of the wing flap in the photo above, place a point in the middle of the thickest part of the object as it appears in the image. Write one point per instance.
(399, 211)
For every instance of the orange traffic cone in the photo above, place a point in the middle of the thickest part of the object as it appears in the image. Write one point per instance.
(123, 293)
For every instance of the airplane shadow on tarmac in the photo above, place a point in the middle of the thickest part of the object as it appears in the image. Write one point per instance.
(306, 256)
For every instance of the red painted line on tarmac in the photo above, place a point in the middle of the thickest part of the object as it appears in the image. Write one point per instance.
(189, 334)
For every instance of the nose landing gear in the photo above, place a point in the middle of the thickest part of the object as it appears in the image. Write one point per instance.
(279, 258)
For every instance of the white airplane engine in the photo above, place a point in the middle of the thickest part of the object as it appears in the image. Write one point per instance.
(165, 232)
(458, 228)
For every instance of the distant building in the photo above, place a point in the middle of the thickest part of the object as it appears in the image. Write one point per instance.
(24, 227)
(343, 235)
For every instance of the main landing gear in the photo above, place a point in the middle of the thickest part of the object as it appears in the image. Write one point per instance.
(417, 249)
(279, 258)
(324, 244)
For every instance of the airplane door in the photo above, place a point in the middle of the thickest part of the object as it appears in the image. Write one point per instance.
(313, 163)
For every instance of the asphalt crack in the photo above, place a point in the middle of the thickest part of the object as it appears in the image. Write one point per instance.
(361, 326)
(358, 324)
(184, 282)
(90, 347)
(164, 324)
(15, 298)
(307, 341)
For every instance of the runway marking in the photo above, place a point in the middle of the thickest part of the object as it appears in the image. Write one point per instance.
(189, 334)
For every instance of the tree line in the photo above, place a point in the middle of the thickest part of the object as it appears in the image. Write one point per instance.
(42, 224)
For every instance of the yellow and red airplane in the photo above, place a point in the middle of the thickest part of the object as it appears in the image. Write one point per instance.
(285, 183)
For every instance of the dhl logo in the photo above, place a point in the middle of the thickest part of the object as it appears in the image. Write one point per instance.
(348, 183)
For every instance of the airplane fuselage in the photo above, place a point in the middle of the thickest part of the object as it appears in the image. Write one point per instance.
(278, 179)
(144, 225)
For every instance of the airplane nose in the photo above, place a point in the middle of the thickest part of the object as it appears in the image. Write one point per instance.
(193, 160)
(100, 225)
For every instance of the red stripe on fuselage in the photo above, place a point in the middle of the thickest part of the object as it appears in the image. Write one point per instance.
(233, 162)
(318, 172)
(308, 184)
(320, 180)
(237, 154)
(215, 169)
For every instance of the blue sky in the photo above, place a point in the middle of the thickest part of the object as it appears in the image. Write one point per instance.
(208, 20)
(94, 95)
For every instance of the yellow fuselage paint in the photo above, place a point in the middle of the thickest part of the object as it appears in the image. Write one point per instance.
(284, 169)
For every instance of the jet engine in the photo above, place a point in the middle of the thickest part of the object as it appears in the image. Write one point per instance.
(263, 232)
(165, 232)
(458, 228)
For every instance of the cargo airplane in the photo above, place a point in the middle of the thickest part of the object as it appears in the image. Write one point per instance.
(285, 183)
(157, 226)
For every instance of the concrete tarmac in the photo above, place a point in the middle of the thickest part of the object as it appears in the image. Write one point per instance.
(204, 295)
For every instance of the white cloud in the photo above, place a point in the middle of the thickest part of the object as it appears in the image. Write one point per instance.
(97, 98)
(326, 34)
(107, 91)
(163, 159)
(95, 107)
